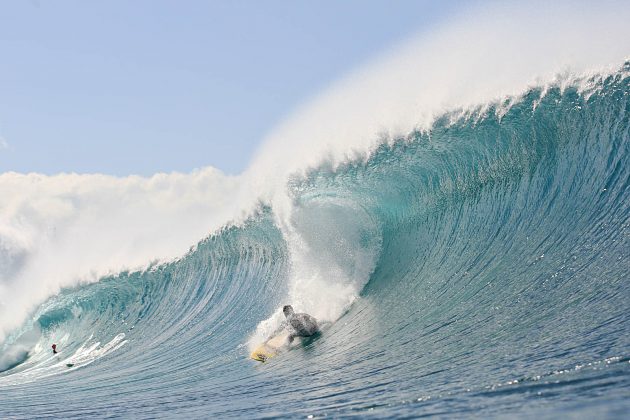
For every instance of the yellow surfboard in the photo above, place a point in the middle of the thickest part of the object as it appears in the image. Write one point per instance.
(270, 348)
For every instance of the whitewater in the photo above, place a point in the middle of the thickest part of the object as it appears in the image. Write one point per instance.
(457, 213)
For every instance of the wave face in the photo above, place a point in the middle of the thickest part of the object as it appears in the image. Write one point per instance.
(477, 268)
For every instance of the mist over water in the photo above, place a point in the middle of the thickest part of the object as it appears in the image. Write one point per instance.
(457, 214)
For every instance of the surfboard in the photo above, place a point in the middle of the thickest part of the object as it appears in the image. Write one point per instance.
(270, 348)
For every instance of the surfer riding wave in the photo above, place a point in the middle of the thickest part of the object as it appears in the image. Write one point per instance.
(299, 325)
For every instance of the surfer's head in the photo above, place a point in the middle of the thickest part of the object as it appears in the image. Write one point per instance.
(288, 310)
(54, 346)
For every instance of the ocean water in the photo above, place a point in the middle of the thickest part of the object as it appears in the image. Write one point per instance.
(478, 268)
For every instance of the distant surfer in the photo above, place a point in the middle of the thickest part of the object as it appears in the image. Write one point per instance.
(54, 347)
(301, 324)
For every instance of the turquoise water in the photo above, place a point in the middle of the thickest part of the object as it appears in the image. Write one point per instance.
(496, 249)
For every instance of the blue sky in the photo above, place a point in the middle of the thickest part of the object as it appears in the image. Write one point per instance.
(138, 87)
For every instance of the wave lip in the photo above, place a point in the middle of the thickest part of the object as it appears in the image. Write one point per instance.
(68, 229)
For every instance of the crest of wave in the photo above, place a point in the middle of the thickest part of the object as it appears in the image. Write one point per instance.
(57, 231)
(487, 54)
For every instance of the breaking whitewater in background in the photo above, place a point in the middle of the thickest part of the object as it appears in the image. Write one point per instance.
(460, 216)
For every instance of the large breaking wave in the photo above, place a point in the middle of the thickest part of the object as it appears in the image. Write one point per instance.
(473, 261)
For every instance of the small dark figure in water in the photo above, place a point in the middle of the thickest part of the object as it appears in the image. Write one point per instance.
(301, 325)
(54, 347)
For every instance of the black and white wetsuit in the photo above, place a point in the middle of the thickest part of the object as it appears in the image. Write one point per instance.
(301, 325)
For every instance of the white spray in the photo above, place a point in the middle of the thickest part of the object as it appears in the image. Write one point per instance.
(488, 54)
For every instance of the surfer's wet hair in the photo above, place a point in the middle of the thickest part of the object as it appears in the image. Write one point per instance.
(288, 310)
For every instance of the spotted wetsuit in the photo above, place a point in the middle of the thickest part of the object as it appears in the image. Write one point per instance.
(301, 325)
